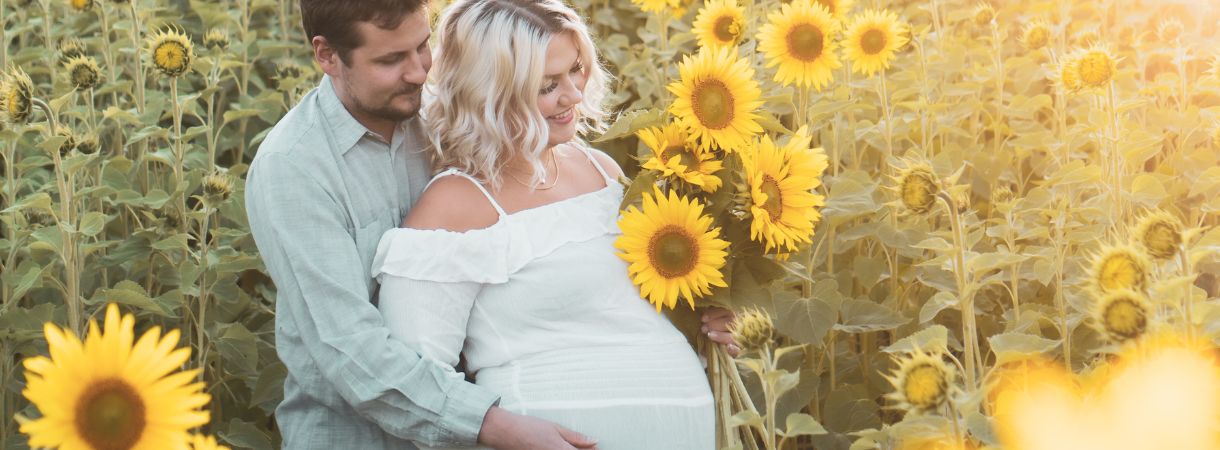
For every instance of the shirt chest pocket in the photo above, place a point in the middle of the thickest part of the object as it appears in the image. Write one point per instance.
(367, 236)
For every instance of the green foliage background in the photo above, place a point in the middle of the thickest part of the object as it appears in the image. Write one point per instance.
(967, 97)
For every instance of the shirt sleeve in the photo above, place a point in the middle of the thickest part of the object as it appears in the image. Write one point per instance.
(428, 316)
(300, 230)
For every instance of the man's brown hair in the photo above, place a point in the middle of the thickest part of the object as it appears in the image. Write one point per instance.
(336, 20)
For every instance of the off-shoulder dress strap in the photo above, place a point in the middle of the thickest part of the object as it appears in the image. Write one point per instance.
(452, 171)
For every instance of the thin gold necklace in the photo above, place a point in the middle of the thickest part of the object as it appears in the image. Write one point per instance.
(538, 186)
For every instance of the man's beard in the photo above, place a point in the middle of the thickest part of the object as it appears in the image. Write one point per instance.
(386, 111)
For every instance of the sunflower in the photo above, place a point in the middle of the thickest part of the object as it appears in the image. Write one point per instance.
(1160, 233)
(107, 393)
(672, 249)
(81, 5)
(16, 96)
(716, 99)
(922, 382)
(1035, 35)
(918, 186)
(720, 23)
(676, 157)
(798, 39)
(171, 52)
(753, 330)
(1068, 78)
(1119, 267)
(782, 205)
(217, 187)
(70, 48)
(837, 8)
(83, 72)
(201, 442)
(873, 39)
(1169, 29)
(1095, 67)
(983, 14)
(216, 39)
(1122, 315)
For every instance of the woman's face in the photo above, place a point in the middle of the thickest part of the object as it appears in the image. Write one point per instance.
(563, 86)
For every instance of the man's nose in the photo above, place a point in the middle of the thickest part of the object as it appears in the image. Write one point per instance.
(415, 71)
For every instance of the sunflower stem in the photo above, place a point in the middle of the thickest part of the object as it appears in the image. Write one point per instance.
(65, 220)
(52, 64)
(3, 39)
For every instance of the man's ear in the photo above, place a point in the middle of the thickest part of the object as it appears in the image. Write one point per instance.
(326, 56)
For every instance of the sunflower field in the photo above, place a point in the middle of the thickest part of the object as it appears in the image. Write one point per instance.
(943, 224)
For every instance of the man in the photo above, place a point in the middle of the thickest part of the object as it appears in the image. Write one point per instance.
(337, 171)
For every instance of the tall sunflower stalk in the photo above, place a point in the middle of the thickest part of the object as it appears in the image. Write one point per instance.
(965, 290)
(243, 80)
(66, 219)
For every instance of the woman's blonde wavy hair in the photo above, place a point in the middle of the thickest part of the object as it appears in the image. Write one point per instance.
(487, 73)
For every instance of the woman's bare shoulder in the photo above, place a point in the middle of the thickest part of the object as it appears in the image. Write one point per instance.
(451, 203)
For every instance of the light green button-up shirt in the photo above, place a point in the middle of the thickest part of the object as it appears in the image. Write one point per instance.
(321, 191)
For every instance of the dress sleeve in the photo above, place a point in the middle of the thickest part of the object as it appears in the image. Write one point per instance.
(428, 316)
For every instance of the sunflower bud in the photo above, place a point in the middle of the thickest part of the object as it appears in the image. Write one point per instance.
(1120, 267)
(1160, 233)
(1169, 29)
(217, 187)
(171, 52)
(216, 39)
(69, 143)
(17, 96)
(753, 330)
(1036, 35)
(922, 382)
(70, 48)
(983, 14)
(1096, 67)
(1122, 315)
(83, 72)
(1069, 78)
(88, 144)
(1001, 194)
(918, 187)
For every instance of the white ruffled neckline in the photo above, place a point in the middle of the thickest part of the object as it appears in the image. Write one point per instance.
(491, 254)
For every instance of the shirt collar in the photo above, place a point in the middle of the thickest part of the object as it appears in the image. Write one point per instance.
(345, 128)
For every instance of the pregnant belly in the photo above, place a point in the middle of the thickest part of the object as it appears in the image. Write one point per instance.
(601, 377)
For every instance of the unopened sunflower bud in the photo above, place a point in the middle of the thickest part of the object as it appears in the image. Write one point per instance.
(16, 96)
(83, 72)
(217, 187)
(171, 52)
(216, 39)
(1160, 233)
(753, 330)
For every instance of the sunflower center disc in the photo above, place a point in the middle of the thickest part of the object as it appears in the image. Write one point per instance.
(1119, 273)
(685, 154)
(774, 204)
(170, 56)
(917, 193)
(726, 29)
(1095, 69)
(110, 415)
(1125, 318)
(924, 386)
(673, 252)
(805, 42)
(873, 41)
(713, 104)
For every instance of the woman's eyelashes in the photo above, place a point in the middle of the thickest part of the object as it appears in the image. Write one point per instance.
(554, 82)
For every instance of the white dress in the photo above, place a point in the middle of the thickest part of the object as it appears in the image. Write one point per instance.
(546, 316)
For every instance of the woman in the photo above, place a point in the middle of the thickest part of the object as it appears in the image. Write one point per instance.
(508, 256)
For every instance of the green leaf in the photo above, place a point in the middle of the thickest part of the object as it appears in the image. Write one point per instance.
(805, 320)
(932, 339)
(176, 242)
(238, 347)
(631, 122)
(30, 280)
(941, 301)
(746, 418)
(22, 324)
(1019, 346)
(92, 223)
(862, 316)
(643, 183)
(799, 424)
(130, 293)
(41, 200)
(241, 434)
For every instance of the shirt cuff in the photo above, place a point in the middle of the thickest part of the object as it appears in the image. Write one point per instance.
(463, 414)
